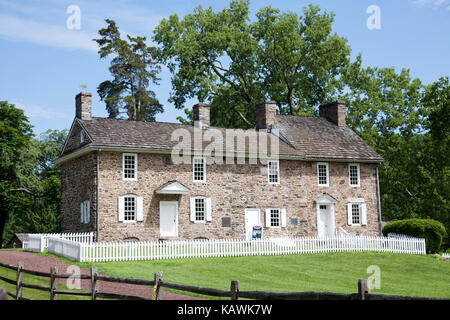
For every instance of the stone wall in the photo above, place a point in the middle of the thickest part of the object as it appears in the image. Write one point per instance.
(78, 184)
(74, 140)
(232, 188)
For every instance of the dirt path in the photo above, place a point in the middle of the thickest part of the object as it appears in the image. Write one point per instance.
(39, 263)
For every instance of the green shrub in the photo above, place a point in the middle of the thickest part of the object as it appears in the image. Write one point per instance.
(431, 230)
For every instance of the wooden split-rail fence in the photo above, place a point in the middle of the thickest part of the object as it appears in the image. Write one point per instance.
(157, 283)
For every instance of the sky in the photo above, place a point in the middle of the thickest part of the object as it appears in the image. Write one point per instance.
(45, 56)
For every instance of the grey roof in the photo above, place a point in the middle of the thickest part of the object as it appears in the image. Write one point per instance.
(312, 138)
(319, 138)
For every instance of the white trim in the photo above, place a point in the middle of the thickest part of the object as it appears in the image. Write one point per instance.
(359, 175)
(204, 168)
(194, 213)
(122, 208)
(135, 166)
(174, 188)
(268, 216)
(278, 171)
(350, 214)
(327, 171)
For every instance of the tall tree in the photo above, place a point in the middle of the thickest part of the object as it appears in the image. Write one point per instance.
(133, 68)
(233, 63)
(15, 173)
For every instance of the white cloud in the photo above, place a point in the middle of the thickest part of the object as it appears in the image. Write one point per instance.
(434, 3)
(44, 22)
(38, 112)
(13, 28)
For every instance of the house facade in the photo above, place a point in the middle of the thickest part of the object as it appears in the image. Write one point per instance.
(120, 178)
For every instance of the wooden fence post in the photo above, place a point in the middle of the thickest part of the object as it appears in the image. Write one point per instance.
(19, 288)
(94, 283)
(157, 287)
(235, 287)
(3, 294)
(363, 289)
(53, 283)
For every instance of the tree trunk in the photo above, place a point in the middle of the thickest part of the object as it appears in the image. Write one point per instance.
(3, 216)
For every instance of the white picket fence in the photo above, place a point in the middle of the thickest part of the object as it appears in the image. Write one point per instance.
(446, 255)
(153, 250)
(81, 237)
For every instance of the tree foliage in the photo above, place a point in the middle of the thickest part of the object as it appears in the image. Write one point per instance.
(233, 63)
(133, 68)
(30, 183)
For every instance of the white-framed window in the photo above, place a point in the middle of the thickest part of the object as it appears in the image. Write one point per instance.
(82, 136)
(130, 208)
(323, 176)
(273, 171)
(85, 209)
(129, 163)
(356, 214)
(198, 169)
(200, 209)
(275, 218)
(354, 175)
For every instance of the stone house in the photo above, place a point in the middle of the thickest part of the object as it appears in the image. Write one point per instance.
(121, 178)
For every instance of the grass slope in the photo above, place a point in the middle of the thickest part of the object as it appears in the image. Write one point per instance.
(401, 274)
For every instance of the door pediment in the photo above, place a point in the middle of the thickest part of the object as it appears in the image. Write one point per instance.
(326, 199)
(173, 187)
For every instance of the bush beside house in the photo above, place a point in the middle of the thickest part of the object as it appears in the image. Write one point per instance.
(432, 231)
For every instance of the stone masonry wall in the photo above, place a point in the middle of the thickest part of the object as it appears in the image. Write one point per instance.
(78, 183)
(232, 188)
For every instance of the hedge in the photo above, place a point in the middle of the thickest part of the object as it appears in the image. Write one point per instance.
(432, 231)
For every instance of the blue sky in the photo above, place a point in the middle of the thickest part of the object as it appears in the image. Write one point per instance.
(43, 63)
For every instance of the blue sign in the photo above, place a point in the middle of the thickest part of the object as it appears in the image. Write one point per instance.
(257, 232)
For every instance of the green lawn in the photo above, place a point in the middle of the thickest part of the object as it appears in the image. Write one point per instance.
(401, 274)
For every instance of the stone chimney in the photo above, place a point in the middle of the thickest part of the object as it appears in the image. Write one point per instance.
(83, 105)
(265, 113)
(334, 112)
(201, 115)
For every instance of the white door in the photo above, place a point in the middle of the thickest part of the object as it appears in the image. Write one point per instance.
(168, 218)
(325, 223)
(252, 218)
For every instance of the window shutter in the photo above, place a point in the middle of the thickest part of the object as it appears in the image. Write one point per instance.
(363, 214)
(349, 214)
(208, 209)
(268, 218)
(140, 209)
(82, 212)
(88, 212)
(283, 218)
(192, 213)
(121, 205)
